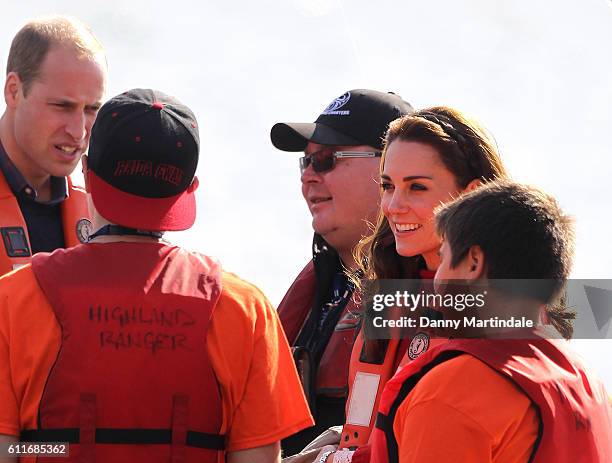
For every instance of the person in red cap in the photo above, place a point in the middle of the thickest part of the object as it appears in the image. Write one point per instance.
(129, 348)
(342, 150)
(55, 82)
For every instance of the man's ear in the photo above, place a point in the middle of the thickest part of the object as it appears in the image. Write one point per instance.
(472, 185)
(195, 183)
(84, 170)
(476, 263)
(12, 89)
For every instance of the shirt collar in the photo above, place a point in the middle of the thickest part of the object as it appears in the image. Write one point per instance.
(20, 186)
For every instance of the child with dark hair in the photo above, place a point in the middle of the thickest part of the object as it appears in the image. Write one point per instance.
(499, 400)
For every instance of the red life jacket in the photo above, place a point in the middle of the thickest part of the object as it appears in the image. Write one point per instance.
(16, 249)
(576, 420)
(295, 306)
(132, 380)
(332, 373)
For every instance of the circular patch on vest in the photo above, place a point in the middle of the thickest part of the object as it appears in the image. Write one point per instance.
(418, 345)
(84, 228)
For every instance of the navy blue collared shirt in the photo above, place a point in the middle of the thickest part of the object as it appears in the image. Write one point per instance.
(43, 219)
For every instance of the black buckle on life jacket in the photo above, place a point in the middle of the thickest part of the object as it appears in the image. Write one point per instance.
(383, 422)
(15, 242)
(135, 436)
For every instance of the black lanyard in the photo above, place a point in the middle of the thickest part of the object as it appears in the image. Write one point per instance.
(342, 288)
(119, 230)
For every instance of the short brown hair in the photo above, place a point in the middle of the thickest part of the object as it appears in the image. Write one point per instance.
(522, 231)
(33, 41)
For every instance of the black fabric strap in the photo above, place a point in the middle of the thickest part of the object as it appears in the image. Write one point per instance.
(382, 421)
(134, 436)
(385, 422)
(120, 230)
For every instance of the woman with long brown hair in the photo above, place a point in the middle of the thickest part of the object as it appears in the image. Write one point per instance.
(430, 157)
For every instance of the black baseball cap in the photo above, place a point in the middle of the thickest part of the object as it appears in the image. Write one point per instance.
(142, 160)
(358, 117)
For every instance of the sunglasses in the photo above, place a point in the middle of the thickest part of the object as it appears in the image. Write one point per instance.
(325, 159)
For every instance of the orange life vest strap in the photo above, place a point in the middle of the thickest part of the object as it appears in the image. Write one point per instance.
(16, 249)
(368, 376)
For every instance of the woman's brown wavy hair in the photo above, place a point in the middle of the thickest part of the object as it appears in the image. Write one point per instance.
(468, 152)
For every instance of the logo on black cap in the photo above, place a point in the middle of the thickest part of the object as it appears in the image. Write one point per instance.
(334, 106)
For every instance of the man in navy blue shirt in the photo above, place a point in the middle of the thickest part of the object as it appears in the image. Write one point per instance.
(56, 76)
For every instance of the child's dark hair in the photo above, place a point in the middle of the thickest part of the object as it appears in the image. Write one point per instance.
(524, 235)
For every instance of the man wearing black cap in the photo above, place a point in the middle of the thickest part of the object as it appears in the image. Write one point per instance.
(131, 349)
(338, 171)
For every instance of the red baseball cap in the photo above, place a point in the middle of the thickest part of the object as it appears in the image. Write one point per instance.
(142, 160)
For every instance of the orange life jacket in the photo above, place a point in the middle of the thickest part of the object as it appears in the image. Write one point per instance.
(576, 420)
(132, 369)
(368, 377)
(373, 363)
(16, 249)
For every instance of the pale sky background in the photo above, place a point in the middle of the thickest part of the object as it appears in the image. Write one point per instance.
(536, 73)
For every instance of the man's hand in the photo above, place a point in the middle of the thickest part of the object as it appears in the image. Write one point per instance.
(325, 448)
